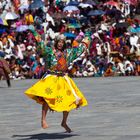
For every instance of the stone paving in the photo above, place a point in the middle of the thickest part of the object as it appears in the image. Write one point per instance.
(113, 112)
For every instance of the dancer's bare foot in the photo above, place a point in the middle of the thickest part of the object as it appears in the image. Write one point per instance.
(68, 130)
(78, 101)
(44, 124)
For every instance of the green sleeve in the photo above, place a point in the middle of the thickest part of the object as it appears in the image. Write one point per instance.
(41, 48)
(74, 54)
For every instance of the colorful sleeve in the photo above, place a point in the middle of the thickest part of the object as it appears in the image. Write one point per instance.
(78, 53)
(41, 48)
(45, 51)
(75, 54)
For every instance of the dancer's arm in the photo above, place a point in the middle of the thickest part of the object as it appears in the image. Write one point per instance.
(78, 53)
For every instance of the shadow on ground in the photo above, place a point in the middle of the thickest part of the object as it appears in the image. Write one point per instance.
(44, 136)
(3, 87)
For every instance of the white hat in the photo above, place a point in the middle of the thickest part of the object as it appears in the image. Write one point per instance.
(68, 41)
(100, 31)
(61, 37)
(127, 33)
(96, 34)
(89, 63)
(29, 47)
(97, 45)
(63, 21)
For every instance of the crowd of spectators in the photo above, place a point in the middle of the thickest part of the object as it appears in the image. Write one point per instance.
(113, 27)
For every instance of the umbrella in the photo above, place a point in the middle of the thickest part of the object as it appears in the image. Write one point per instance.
(85, 5)
(58, 15)
(133, 30)
(74, 25)
(122, 25)
(95, 12)
(2, 54)
(69, 35)
(138, 29)
(36, 4)
(2, 30)
(90, 2)
(3, 14)
(31, 27)
(83, 20)
(114, 12)
(112, 3)
(74, 3)
(70, 8)
(3, 22)
(22, 7)
(10, 16)
(22, 28)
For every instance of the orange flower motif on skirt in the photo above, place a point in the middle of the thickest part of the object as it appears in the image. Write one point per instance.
(48, 90)
(59, 99)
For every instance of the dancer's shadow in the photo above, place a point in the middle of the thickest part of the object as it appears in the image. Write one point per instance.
(4, 87)
(44, 136)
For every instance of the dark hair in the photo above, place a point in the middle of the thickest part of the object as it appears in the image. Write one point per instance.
(56, 43)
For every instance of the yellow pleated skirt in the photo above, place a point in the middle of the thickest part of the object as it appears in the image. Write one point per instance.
(60, 93)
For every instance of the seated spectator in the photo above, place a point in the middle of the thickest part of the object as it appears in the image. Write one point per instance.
(138, 65)
(119, 69)
(75, 71)
(128, 70)
(100, 68)
(128, 67)
(78, 72)
(109, 71)
(39, 71)
(125, 50)
(91, 71)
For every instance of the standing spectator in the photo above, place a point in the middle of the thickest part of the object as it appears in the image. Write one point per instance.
(138, 65)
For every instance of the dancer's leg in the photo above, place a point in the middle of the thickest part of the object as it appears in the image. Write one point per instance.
(7, 79)
(45, 108)
(8, 82)
(64, 121)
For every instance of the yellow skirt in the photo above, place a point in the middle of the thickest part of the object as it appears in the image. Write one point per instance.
(60, 93)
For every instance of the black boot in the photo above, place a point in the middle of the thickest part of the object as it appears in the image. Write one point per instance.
(8, 83)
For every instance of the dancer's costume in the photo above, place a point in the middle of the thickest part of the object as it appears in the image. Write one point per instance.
(56, 87)
(5, 70)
